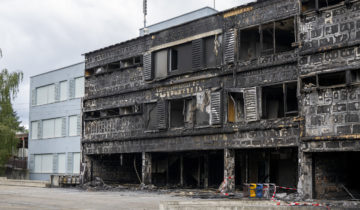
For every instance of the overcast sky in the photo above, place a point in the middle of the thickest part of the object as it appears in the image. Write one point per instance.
(37, 36)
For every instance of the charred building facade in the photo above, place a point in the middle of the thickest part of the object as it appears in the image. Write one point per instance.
(266, 92)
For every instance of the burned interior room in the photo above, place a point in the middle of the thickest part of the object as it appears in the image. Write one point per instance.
(260, 93)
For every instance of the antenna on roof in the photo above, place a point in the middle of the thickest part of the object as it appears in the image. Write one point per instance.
(145, 13)
(214, 4)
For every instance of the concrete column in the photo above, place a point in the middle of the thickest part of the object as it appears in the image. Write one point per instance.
(146, 168)
(206, 171)
(199, 172)
(181, 170)
(305, 182)
(229, 170)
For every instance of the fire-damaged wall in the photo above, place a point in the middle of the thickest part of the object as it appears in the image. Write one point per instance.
(262, 86)
(329, 75)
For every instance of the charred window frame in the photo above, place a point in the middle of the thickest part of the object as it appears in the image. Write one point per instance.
(331, 79)
(267, 39)
(151, 116)
(235, 106)
(114, 66)
(316, 5)
(279, 100)
(182, 112)
(114, 112)
(180, 57)
(187, 57)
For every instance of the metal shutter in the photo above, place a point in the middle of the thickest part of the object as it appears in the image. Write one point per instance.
(69, 162)
(251, 104)
(78, 126)
(147, 67)
(57, 92)
(162, 114)
(197, 53)
(216, 112)
(229, 51)
(63, 126)
(72, 88)
(55, 163)
(40, 130)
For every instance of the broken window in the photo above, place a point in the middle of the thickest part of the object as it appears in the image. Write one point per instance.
(181, 112)
(291, 103)
(249, 43)
(92, 115)
(236, 110)
(284, 34)
(111, 112)
(309, 82)
(180, 57)
(89, 72)
(128, 110)
(279, 101)
(173, 60)
(210, 54)
(355, 76)
(151, 113)
(130, 62)
(113, 66)
(160, 63)
(202, 109)
(332, 79)
(267, 39)
(308, 5)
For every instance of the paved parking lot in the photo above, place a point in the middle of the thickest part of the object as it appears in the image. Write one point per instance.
(17, 197)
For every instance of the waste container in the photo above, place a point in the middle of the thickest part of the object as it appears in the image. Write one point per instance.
(252, 190)
(259, 190)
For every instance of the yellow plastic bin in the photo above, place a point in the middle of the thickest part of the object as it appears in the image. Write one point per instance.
(252, 190)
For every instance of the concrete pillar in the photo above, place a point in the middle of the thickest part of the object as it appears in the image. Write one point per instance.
(305, 182)
(181, 170)
(206, 171)
(199, 172)
(229, 170)
(146, 168)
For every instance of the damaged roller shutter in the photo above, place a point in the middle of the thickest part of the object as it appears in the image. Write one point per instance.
(147, 67)
(251, 104)
(197, 52)
(229, 51)
(162, 114)
(216, 112)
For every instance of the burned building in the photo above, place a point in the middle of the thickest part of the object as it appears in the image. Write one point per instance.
(264, 92)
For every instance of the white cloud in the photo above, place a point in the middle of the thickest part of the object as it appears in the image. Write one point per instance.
(41, 35)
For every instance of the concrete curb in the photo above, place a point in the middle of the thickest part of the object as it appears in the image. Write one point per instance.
(23, 183)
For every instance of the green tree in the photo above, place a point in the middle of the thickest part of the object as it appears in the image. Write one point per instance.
(9, 121)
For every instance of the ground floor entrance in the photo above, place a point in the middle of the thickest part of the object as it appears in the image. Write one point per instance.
(198, 169)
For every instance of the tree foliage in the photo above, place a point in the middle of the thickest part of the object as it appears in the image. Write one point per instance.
(9, 121)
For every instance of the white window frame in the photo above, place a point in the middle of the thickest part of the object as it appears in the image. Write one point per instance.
(49, 94)
(40, 161)
(52, 133)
